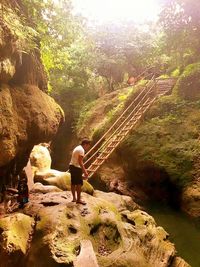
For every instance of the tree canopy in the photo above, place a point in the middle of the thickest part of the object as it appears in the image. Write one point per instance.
(84, 60)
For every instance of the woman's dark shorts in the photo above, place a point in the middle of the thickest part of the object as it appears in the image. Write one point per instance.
(76, 175)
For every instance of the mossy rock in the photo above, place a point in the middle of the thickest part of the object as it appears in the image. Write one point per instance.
(60, 179)
(7, 70)
(44, 189)
(188, 85)
(15, 232)
(139, 217)
(61, 225)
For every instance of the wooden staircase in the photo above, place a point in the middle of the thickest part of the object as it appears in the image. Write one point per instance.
(128, 120)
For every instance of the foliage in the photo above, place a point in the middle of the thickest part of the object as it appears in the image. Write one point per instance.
(175, 73)
(24, 35)
(121, 49)
(188, 85)
(180, 21)
(101, 113)
(163, 76)
(123, 96)
(84, 116)
(66, 51)
(168, 139)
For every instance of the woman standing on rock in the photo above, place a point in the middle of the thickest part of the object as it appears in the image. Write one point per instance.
(77, 168)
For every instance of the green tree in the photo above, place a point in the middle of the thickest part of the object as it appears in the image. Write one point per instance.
(121, 48)
(180, 20)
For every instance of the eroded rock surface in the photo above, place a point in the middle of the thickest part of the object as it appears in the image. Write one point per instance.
(28, 115)
(43, 175)
(15, 234)
(191, 199)
(121, 235)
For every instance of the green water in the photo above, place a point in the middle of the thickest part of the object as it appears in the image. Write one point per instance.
(183, 232)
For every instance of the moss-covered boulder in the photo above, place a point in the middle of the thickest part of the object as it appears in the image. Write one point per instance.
(117, 234)
(178, 262)
(191, 199)
(121, 202)
(15, 234)
(61, 180)
(160, 155)
(40, 158)
(188, 85)
(28, 116)
(40, 188)
(41, 167)
(115, 231)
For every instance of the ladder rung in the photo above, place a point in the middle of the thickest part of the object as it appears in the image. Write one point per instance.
(145, 104)
(120, 135)
(115, 143)
(133, 119)
(88, 170)
(136, 115)
(118, 140)
(95, 164)
(101, 158)
(126, 129)
(92, 169)
(98, 159)
(111, 146)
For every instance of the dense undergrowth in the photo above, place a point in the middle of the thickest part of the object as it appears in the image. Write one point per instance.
(168, 137)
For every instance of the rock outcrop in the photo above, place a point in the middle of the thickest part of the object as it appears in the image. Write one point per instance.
(16, 233)
(118, 233)
(40, 160)
(28, 115)
(191, 199)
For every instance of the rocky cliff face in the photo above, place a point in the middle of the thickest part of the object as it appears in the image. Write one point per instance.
(51, 231)
(160, 158)
(28, 115)
(110, 230)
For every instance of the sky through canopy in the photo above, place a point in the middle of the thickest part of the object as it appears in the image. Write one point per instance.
(138, 11)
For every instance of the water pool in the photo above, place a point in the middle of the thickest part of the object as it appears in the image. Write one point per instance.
(183, 231)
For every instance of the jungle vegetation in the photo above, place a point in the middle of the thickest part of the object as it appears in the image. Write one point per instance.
(85, 61)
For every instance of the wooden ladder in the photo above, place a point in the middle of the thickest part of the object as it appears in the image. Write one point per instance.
(126, 122)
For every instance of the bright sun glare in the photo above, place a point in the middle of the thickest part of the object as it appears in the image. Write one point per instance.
(138, 11)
